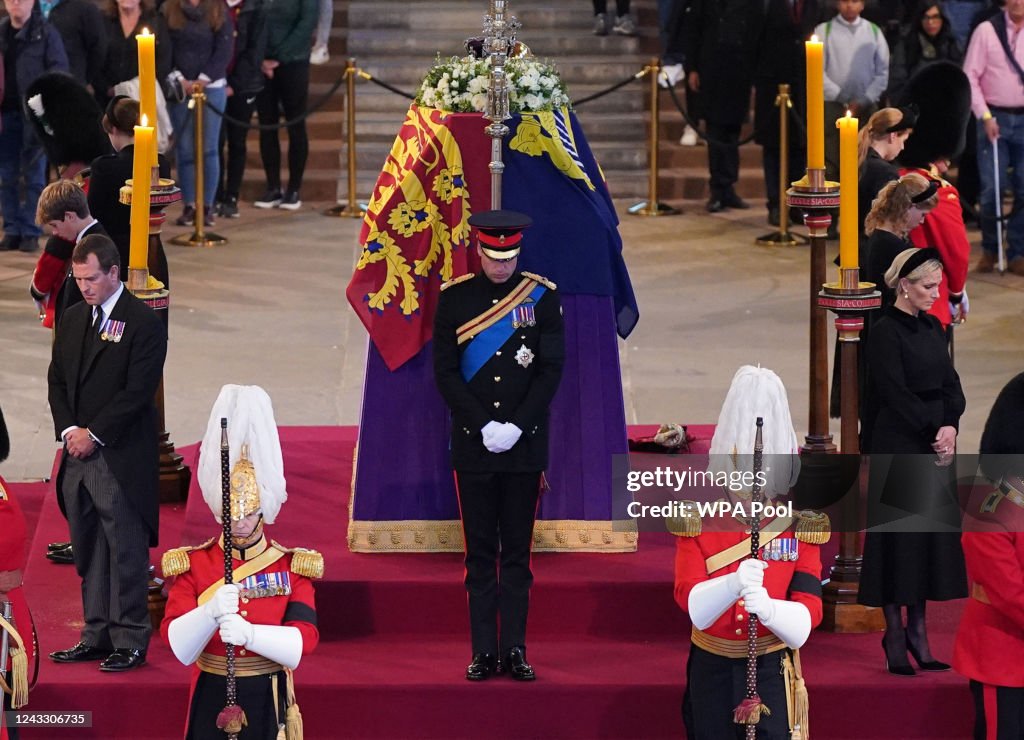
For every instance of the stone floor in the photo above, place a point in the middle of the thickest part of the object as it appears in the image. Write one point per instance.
(269, 308)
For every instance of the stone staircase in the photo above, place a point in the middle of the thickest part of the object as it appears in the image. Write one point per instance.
(396, 41)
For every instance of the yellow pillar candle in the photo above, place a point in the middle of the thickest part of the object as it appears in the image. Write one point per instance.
(815, 104)
(138, 247)
(848, 231)
(146, 43)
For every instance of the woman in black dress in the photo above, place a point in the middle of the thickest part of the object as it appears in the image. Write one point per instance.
(912, 553)
(878, 144)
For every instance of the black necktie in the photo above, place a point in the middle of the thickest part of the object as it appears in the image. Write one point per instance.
(98, 328)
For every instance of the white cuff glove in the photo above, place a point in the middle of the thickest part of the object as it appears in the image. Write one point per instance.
(490, 429)
(235, 630)
(278, 643)
(709, 600)
(670, 75)
(960, 310)
(790, 621)
(224, 601)
(506, 437)
(189, 633)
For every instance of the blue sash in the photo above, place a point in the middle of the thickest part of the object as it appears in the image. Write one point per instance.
(482, 347)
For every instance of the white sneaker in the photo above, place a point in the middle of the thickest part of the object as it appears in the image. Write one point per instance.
(319, 55)
(689, 137)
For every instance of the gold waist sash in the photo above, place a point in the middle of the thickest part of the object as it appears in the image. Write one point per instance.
(978, 592)
(734, 648)
(256, 665)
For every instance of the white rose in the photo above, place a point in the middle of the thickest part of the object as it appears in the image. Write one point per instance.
(479, 102)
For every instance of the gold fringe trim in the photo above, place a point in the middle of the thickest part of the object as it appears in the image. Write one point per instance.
(813, 527)
(687, 524)
(305, 562)
(175, 562)
(797, 701)
(18, 688)
(549, 535)
(292, 716)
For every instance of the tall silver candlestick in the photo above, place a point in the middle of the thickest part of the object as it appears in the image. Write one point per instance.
(499, 39)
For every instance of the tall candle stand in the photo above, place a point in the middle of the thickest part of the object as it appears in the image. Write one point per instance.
(150, 285)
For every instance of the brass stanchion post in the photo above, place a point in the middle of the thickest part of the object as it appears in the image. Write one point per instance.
(651, 206)
(782, 237)
(199, 237)
(353, 209)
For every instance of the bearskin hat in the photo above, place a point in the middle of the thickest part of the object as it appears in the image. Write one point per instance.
(1002, 442)
(67, 119)
(942, 95)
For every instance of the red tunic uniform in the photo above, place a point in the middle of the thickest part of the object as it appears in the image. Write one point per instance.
(990, 640)
(274, 595)
(717, 665)
(12, 563)
(944, 229)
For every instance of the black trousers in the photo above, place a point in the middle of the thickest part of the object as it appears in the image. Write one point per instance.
(286, 93)
(232, 145)
(1004, 710)
(263, 709)
(723, 157)
(715, 685)
(111, 545)
(498, 510)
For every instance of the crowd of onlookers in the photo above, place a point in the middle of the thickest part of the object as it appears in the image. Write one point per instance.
(247, 57)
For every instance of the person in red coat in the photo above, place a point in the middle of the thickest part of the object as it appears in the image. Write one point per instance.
(268, 613)
(721, 587)
(18, 628)
(989, 648)
(942, 95)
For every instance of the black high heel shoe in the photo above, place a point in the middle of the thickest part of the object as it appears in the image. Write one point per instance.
(897, 670)
(927, 665)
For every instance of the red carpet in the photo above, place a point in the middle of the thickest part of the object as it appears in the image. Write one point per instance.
(607, 640)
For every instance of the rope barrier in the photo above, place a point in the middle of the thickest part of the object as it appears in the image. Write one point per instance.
(370, 78)
(278, 126)
(601, 93)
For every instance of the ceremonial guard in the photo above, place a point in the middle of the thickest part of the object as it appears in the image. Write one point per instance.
(989, 648)
(722, 587)
(498, 355)
(267, 611)
(16, 643)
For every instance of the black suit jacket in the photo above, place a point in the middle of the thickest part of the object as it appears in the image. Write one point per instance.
(109, 387)
(504, 389)
(69, 293)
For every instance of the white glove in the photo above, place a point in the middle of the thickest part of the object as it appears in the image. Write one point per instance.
(235, 630)
(278, 643)
(670, 75)
(790, 621)
(959, 311)
(224, 601)
(189, 633)
(490, 429)
(506, 437)
(750, 574)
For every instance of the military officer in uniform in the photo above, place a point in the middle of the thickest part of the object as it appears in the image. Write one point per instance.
(989, 648)
(720, 586)
(268, 612)
(498, 355)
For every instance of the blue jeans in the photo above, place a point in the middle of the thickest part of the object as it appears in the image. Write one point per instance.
(22, 176)
(184, 147)
(1010, 146)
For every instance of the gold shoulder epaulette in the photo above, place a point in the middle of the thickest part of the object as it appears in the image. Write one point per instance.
(456, 281)
(687, 524)
(813, 527)
(177, 561)
(308, 563)
(541, 279)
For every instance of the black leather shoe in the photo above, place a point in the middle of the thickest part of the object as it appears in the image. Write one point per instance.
(715, 205)
(484, 666)
(927, 665)
(57, 546)
(123, 660)
(731, 200)
(62, 557)
(773, 216)
(80, 653)
(516, 665)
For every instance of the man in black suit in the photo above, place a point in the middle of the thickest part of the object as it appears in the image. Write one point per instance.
(498, 354)
(108, 357)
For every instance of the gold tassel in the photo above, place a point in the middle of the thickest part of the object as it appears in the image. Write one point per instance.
(813, 527)
(292, 716)
(797, 701)
(19, 669)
